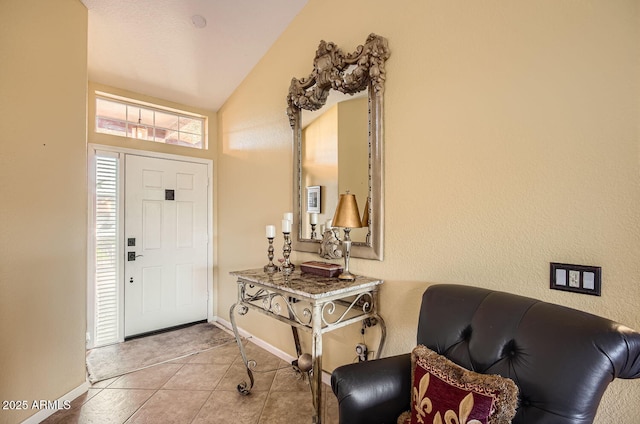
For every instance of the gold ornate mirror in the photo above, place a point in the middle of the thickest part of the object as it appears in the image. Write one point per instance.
(336, 116)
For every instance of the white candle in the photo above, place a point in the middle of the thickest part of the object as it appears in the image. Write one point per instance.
(271, 231)
(314, 218)
(288, 216)
(286, 226)
(329, 224)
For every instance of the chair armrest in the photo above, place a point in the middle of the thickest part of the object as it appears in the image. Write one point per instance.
(373, 392)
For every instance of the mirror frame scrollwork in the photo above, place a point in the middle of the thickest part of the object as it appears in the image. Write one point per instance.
(348, 73)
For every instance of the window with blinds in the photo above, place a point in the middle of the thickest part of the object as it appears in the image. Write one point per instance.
(106, 251)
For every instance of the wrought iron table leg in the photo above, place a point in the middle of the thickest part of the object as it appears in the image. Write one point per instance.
(243, 387)
(296, 340)
(383, 335)
(316, 353)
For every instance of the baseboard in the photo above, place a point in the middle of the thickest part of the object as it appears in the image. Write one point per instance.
(69, 397)
(226, 325)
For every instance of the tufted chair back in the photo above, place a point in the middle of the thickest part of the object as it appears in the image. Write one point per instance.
(561, 359)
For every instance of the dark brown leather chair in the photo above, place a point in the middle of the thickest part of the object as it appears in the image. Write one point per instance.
(561, 359)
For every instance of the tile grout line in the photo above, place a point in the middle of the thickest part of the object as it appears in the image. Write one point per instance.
(140, 407)
(149, 398)
(266, 399)
(210, 392)
(202, 406)
(214, 389)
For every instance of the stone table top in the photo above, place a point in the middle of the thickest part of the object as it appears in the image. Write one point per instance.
(306, 284)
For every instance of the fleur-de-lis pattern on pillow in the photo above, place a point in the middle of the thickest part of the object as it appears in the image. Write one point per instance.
(445, 393)
(423, 406)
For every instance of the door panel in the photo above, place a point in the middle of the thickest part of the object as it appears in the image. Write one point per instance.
(151, 225)
(184, 224)
(151, 291)
(166, 284)
(184, 284)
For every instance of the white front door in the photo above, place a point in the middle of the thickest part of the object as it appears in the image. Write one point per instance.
(165, 243)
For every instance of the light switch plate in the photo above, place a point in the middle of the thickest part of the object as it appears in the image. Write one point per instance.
(576, 278)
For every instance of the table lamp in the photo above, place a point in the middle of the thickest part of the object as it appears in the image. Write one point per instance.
(365, 221)
(347, 216)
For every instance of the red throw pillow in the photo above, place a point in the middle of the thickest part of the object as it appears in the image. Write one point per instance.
(443, 392)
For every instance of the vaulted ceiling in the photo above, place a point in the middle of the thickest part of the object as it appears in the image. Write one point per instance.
(194, 52)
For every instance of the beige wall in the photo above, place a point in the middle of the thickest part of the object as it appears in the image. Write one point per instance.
(319, 155)
(330, 146)
(353, 156)
(511, 142)
(43, 209)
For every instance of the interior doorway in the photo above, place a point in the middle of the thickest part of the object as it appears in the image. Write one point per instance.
(150, 253)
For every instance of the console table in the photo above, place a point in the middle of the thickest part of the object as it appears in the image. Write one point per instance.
(326, 304)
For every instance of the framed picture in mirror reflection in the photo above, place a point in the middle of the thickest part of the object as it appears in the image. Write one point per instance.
(313, 199)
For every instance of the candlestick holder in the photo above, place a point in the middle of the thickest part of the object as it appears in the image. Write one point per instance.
(270, 267)
(287, 267)
(313, 231)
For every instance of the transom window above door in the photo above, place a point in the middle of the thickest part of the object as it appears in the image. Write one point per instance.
(127, 118)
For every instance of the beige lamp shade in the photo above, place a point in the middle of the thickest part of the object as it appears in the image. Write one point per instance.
(347, 214)
(365, 214)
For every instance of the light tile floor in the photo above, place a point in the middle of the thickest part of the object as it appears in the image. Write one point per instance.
(201, 389)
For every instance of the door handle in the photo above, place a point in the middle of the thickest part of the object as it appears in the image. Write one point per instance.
(131, 256)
